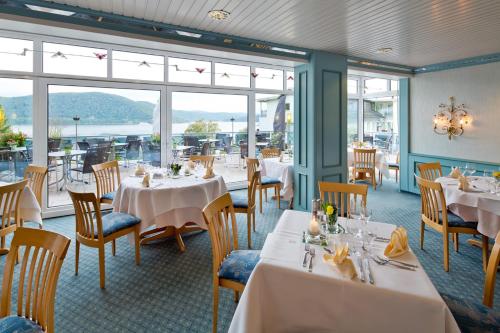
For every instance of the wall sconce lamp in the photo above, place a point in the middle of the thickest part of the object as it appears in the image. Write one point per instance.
(451, 119)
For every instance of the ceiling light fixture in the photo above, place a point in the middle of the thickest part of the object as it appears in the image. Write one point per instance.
(50, 10)
(188, 34)
(281, 49)
(218, 14)
(384, 50)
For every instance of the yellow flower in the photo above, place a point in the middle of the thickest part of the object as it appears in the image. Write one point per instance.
(496, 174)
(329, 210)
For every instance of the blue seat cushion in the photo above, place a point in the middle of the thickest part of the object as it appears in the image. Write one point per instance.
(269, 181)
(15, 324)
(239, 265)
(457, 222)
(114, 222)
(109, 196)
(239, 201)
(471, 316)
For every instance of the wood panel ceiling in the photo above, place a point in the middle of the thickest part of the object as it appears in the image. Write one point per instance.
(420, 32)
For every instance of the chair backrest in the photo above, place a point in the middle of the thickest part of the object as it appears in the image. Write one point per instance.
(432, 199)
(9, 202)
(43, 255)
(205, 149)
(364, 159)
(191, 141)
(207, 161)
(491, 273)
(430, 171)
(83, 145)
(85, 205)
(227, 144)
(107, 176)
(270, 152)
(35, 174)
(132, 151)
(252, 167)
(131, 138)
(252, 189)
(340, 194)
(221, 223)
(243, 149)
(94, 156)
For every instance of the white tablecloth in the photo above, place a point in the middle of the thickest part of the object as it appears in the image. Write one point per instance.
(281, 296)
(380, 161)
(168, 202)
(28, 207)
(475, 205)
(273, 168)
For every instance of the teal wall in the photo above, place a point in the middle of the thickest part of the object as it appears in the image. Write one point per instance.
(320, 125)
(404, 132)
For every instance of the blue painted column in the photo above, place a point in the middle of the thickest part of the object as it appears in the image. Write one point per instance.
(320, 125)
(404, 134)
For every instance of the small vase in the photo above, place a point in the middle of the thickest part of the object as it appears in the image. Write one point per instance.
(333, 227)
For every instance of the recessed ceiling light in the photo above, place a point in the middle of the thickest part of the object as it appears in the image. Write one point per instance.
(50, 10)
(384, 50)
(188, 34)
(281, 49)
(218, 14)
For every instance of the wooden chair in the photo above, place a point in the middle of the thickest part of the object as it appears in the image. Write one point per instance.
(395, 167)
(247, 205)
(491, 273)
(9, 202)
(107, 176)
(35, 175)
(101, 230)
(44, 251)
(341, 194)
(364, 163)
(264, 182)
(436, 216)
(270, 152)
(205, 160)
(231, 267)
(430, 171)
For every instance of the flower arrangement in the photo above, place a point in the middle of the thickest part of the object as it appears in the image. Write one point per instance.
(13, 139)
(175, 167)
(496, 174)
(330, 210)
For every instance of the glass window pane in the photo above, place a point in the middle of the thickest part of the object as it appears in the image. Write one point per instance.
(379, 120)
(290, 77)
(74, 60)
(232, 75)
(394, 85)
(352, 86)
(268, 78)
(138, 66)
(90, 125)
(16, 55)
(375, 85)
(16, 127)
(352, 121)
(189, 71)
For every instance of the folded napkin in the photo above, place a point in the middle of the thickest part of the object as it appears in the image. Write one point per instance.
(209, 173)
(145, 180)
(455, 173)
(345, 267)
(139, 170)
(398, 244)
(463, 183)
(191, 165)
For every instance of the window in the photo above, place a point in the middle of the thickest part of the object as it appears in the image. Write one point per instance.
(375, 86)
(290, 76)
(232, 75)
(137, 66)
(16, 55)
(74, 60)
(352, 120)
(394, 85)
(189, 71)
(268, 78)
(352, 87)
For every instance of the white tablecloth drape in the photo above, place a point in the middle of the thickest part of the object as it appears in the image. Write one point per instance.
(273, 168)
(29, 208)
(380, 161)
(281, 296)
(169, 202)
(474, 205)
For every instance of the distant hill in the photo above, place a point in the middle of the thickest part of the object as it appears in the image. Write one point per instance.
(101, 109)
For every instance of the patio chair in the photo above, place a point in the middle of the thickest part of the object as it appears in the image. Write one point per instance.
(133, 150)
(92, 157)
(191, 141)
(83, 145)
(220, 144)
(131, 138)
(150, 153)
(205, 149)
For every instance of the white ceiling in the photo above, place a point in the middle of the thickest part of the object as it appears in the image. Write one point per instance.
(421, 32)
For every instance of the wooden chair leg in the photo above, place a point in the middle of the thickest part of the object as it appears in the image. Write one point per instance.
(77, 256)
(2, 242)
(215, 308)
(422, 231)
(249, 230)
(265, 192)
(446, 253)
(137, 239)
(236, 296)
(278, 189)
(455, 242)
(374, 181)
(260, 199)
(102, 272)
(253, 221)
(485, 248)
(113, 247)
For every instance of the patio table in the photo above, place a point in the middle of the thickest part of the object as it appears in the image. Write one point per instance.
(66, 159)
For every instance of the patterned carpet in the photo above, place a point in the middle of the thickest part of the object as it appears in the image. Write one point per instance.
(172, 291)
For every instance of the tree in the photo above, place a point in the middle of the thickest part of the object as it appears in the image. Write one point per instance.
(4, 124)
(201, 127)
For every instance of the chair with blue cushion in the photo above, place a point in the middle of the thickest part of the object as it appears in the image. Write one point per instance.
(264, 182)
(107, 178)
(42, 251)
(231, 267)
(247, 205)
(99, 230)
(432, 198)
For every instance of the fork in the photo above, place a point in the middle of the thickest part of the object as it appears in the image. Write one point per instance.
(382, 263)
(306, 251)
(312, 252)
(397, 262)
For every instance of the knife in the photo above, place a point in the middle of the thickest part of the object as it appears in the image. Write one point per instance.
(368, 270)
(361, 270)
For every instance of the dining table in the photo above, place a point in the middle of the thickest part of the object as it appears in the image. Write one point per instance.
(29, 208)
(169, 206)
(479, 203)
(281, 170)
(283, 296)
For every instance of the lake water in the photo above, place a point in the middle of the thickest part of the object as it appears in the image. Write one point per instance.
(120, 130)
